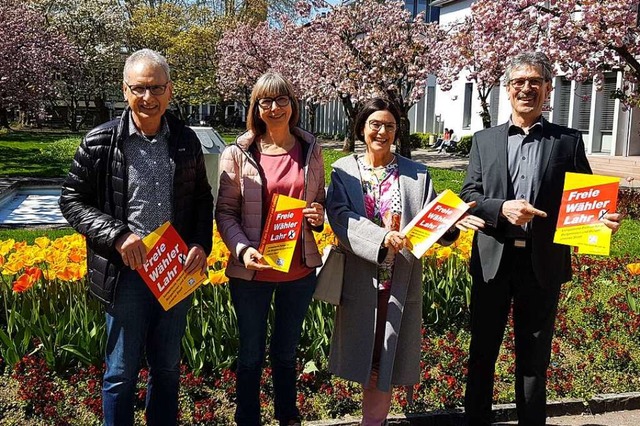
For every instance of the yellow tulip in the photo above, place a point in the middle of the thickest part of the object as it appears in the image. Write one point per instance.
(634, 268)
(42, 242)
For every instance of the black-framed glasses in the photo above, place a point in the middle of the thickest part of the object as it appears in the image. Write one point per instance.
(518, 83)
(376, 125)
(139, 90)
(267, 103)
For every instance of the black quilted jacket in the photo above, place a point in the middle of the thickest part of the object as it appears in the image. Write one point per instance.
(94, 197)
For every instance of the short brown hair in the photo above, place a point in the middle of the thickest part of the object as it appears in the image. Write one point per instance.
(368, 108)
(270, 85)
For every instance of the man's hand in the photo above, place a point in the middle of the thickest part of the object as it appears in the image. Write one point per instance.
(314, 214)
(196, 260)
(132, 250)
(519, 212)
(612, 221)
(253, 260)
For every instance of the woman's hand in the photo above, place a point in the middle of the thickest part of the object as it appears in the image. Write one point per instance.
(394, 240)
(469, 222)
(253, 260)
(196, 260)
(314, 214)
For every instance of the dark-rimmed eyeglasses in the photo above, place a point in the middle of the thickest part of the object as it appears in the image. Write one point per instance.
(267, 103)
(377, 125)
(139, 90)
(535, 83)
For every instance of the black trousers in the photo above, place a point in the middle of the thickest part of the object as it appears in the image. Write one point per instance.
(534, 310)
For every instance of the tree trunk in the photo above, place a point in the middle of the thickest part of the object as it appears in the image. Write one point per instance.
(4, 118)
(350, 111)
(404, 147)
(483, 95)
(102, 115)
(311, 109)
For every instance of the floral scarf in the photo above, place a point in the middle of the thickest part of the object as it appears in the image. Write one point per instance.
(381, 189)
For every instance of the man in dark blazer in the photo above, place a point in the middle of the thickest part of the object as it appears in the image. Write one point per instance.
(516, 175)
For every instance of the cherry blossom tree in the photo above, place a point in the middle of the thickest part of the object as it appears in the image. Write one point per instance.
(31, 58)
(477, 47)
(377, 49)
(245, 52)
(97, 29)
(584, 38)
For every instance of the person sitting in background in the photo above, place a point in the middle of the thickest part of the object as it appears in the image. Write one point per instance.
(449, 142)
(440, 141)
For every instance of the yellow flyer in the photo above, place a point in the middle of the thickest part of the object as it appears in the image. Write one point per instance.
(163, 269)
(281, 231)
(585, 200)
(433, 221)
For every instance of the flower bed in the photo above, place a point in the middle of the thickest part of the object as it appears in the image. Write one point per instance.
(52, 339)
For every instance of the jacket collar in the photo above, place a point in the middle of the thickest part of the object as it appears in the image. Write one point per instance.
(248, 138)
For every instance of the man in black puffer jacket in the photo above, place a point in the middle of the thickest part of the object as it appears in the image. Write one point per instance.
(128, 177)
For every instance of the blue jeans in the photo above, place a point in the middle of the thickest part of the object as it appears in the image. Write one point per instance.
(252, 300)
(136, 323)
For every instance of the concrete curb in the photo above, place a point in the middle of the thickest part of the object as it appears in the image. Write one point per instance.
(599, 404)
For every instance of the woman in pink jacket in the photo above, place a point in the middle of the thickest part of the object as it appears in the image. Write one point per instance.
(272, 157)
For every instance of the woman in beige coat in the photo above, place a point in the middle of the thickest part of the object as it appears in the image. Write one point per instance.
(376, 340)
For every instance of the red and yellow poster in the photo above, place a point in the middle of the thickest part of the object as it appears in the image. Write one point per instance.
(585, 200)
(433, 221)
(163, 269)
(281, 231)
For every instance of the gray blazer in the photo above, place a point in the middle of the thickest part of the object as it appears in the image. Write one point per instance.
(486, 183)
(353, 336)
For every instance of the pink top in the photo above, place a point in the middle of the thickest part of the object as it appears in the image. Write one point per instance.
(283, 174)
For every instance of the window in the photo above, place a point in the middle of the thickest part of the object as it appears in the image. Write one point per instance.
(584, 92)
(609, 103)
(466, 114)
(494, 103)
(562, 102)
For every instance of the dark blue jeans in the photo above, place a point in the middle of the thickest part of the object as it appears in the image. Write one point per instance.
(136, 323)
(252, 300)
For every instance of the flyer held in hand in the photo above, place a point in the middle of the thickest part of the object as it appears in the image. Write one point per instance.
(281, 230)
(163, 269)
(433, 221)
(585, 200)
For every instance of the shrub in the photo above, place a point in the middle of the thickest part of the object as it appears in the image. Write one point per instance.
(61, 151)
(419, 140)
(629, 202)
(464, 145)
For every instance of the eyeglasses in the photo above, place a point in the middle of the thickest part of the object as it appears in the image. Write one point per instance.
(534, 83)
(377, 125)
(140, 90)
(267, 103)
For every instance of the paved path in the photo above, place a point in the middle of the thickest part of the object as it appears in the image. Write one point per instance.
(429, 157)
(618, 418)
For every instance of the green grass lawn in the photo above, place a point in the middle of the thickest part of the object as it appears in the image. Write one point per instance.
(37, 154)
(49, 154)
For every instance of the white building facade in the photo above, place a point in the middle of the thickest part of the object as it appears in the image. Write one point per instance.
(608, 129)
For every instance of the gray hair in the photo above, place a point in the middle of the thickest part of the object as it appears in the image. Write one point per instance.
(148, 56)
(534, 59)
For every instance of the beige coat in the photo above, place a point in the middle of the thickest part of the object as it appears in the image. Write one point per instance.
(353, 336)
(239, 206)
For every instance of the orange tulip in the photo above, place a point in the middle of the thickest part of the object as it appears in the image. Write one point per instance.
(634, 268)
(23, 283)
